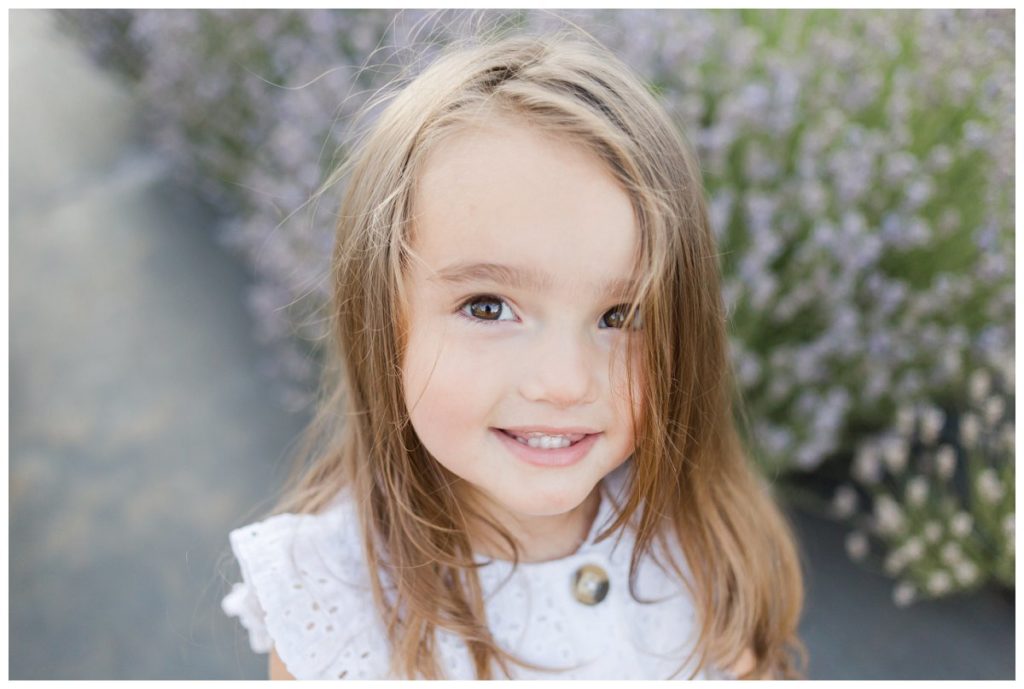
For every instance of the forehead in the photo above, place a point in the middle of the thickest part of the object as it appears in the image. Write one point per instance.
(508, 195)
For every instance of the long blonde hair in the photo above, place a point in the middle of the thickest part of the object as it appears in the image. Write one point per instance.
(690, 477)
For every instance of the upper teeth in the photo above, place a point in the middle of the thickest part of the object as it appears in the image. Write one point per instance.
(547, 441)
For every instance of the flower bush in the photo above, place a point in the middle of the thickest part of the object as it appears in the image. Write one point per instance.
(859, 169)
(860, 173)
(939, 493)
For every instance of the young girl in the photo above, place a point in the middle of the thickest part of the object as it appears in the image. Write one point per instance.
(525, 464)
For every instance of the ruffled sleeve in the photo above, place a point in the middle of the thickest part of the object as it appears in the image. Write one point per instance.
(243, 604)
(305, 593)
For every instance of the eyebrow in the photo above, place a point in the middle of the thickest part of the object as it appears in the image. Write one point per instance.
(518, 277)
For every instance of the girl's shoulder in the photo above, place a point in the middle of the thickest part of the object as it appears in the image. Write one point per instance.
(305, 592)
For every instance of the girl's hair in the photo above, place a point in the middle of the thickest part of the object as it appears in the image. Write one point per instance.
(689, 469)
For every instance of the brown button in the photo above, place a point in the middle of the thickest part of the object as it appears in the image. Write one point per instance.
(590, 584)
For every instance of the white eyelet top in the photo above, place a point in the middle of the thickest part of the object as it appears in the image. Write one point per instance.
(306, 593)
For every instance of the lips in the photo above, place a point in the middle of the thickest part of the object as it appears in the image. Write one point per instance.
(547, 457)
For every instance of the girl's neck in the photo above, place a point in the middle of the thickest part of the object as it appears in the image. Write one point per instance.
(540, 539)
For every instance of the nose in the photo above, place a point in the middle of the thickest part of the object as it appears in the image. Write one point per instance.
(561, 368)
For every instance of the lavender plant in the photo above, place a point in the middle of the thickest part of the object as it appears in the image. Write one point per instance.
(860, 172)
(938, 493)
(250, 107)
(859, 167)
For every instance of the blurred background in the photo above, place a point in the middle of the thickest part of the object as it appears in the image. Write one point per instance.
(168, 271)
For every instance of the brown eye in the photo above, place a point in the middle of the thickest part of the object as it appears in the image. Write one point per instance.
(484, 308)
(618, 317)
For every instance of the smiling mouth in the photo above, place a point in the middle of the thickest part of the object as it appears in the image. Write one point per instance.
(547, 442)
(548, 454)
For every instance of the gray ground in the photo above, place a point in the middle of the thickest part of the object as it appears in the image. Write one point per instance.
(141, 432)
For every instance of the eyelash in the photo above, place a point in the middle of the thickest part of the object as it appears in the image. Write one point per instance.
(491, 297)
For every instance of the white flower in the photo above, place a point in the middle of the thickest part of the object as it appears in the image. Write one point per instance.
(990, 488)
(940, 158)
(888, 515)
(748, 369)
(895, 561)
(919, 191)
(970, 427)
(856, 545)
(814, 197)
(993, 410)
(952, 553)
(939, 582)
(895, 452)
(974, 133)
(905, 419)
(978, 384)
(949, 366)
(917, 491)
(961, 524)
(945, 461)
(966, 572)
(932, 531)
(904, 594)
(844, 502)
(913, 549)
(932, 420)
(898, 165)
(867, 466)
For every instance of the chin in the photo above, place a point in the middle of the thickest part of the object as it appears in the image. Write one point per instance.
(550, 504)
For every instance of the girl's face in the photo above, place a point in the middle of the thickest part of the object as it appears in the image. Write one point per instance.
(515, 317)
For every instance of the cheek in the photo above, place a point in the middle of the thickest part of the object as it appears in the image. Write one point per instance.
(445, 393)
